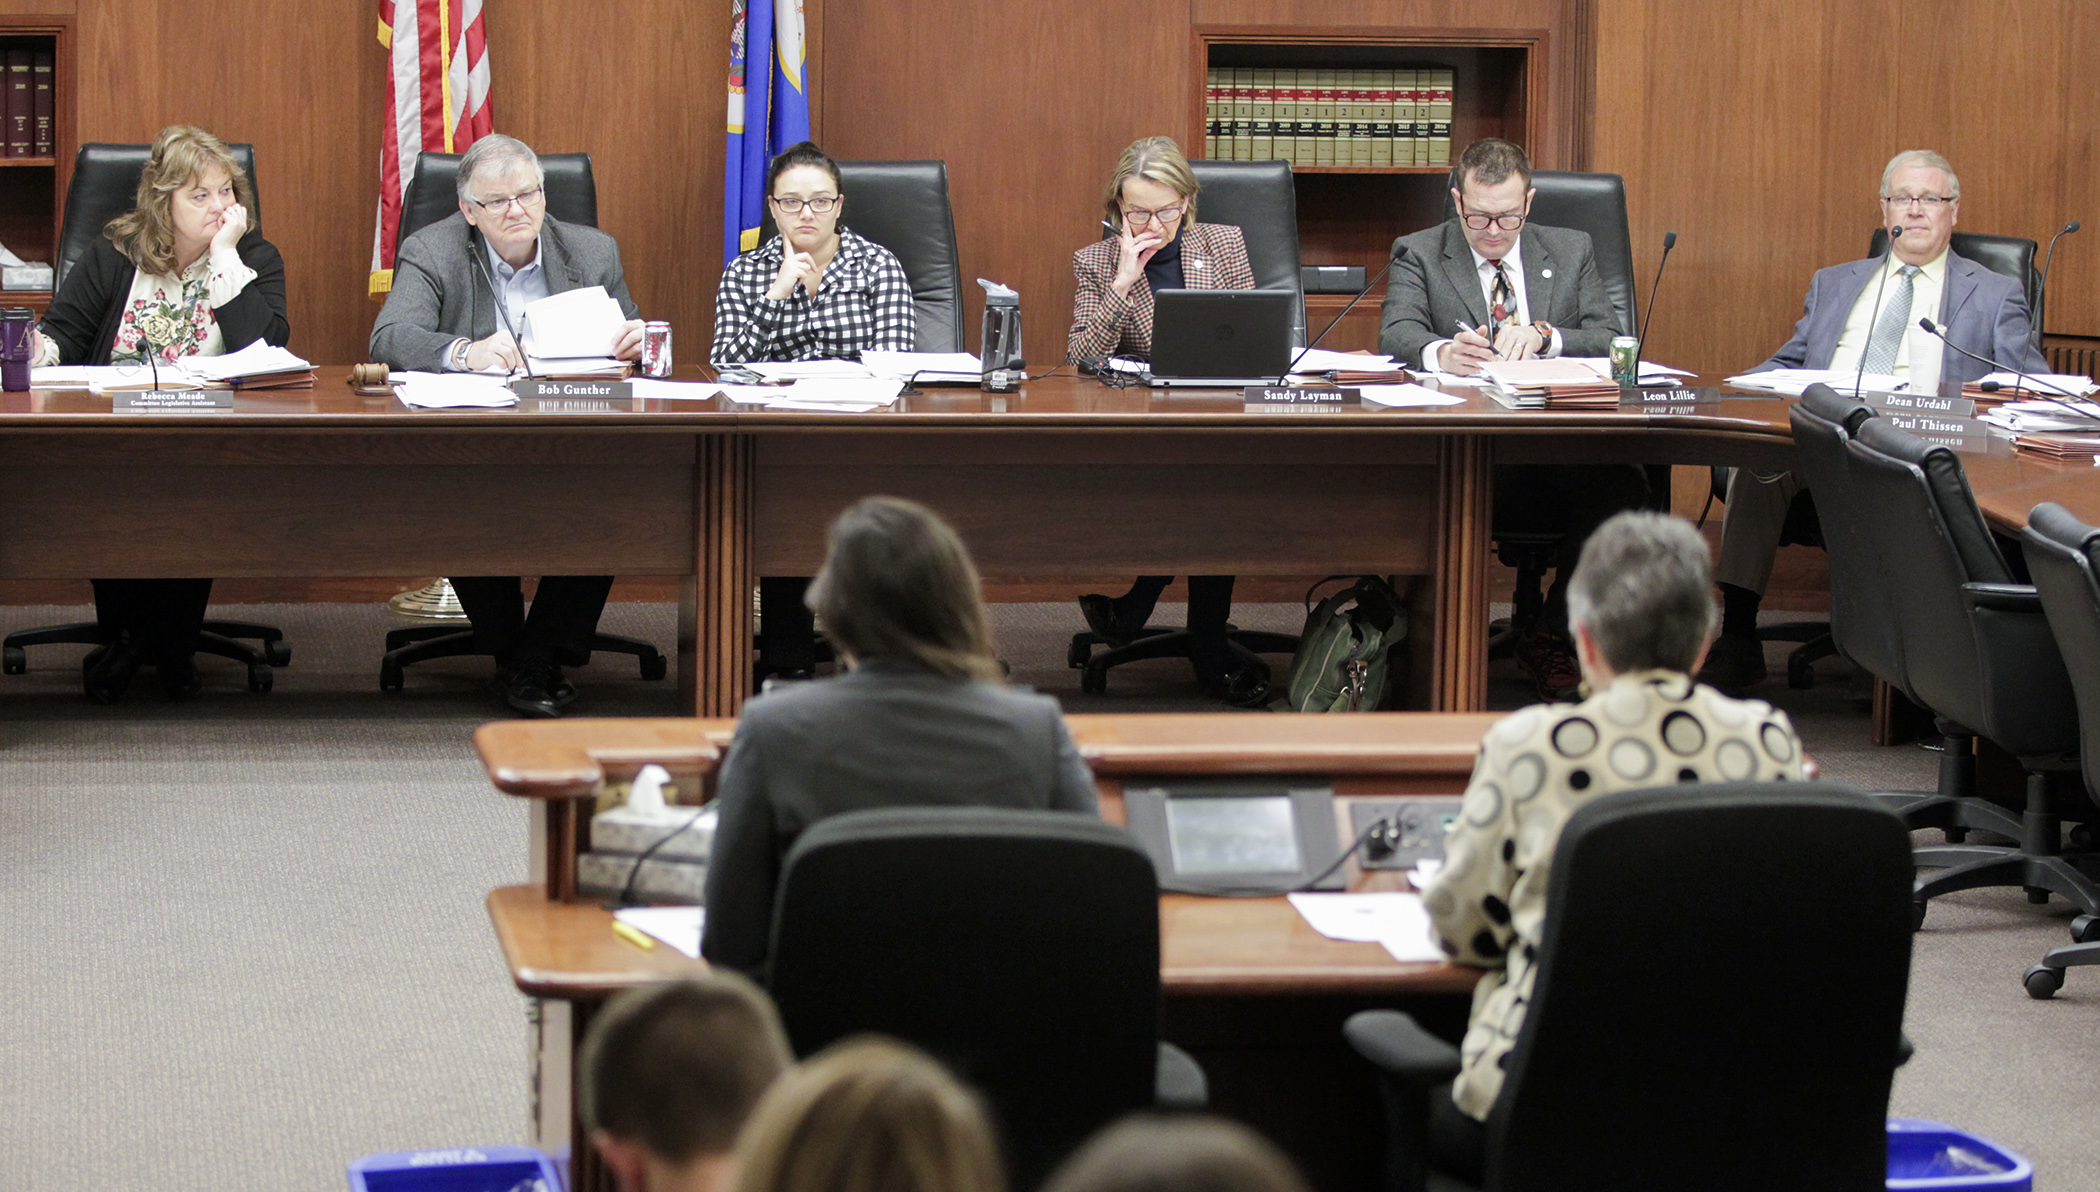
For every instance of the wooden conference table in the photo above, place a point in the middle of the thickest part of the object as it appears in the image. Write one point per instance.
(1252, 991)
(1066, 478)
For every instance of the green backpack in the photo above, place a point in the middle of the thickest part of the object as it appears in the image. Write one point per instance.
(1344, 652)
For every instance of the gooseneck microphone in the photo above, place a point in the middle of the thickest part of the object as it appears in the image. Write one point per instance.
(517, 337)
(1648, 316)
(1933, 330)
(2041, 286)
(1285, 379)
(1874, 315)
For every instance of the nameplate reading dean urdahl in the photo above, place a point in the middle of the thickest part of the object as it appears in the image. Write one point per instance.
(171, 399)
(598, 390)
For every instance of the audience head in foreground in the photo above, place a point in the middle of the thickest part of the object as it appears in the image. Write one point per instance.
(869, 1115)
(898, 583)
(1147, 1153)
(1642, 613)
(670, 1074)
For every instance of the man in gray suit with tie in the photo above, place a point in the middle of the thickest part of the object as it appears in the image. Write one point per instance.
(1863, 316)
(1488, 284)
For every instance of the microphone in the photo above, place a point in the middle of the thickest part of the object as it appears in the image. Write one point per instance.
(1285, 379)
(2041, 286)
(1874, 315)
(503, 315)
(1931, 329)
(1641, 335)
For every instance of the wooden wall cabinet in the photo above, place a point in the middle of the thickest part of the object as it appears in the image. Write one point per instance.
(1348, 214)
(32, 188)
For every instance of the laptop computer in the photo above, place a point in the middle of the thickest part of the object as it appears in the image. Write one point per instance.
(1220, 338)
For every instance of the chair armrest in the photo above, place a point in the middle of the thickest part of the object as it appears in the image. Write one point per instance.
(1401, 1048)
(2005, 598)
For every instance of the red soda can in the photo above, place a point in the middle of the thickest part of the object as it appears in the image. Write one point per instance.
(656, 349)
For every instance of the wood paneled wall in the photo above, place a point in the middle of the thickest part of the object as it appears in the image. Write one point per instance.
(639, 84)
(1756, 130)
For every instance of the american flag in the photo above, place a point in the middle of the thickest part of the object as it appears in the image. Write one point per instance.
(437, 89)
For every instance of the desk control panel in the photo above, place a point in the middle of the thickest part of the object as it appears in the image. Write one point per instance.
(1406, 830)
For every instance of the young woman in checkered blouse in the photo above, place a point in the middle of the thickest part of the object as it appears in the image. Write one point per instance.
(1151, 202)
(817, 291)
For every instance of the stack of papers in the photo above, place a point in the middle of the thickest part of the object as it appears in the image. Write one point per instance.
(940, 368)
(827, 395)
(257, 366)
(1406, 395)
(2070, 448)
(2022, 417)
(1650, 373)
(1795, 381)
(1554, 384)
(575, 368)
(451, 391)
(2007, 386)
(573, 324)
(1321, 360)
(1399, 922)
(796, 370)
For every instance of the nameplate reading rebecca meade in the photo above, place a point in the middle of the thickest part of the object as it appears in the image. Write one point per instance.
(171, 399)
(541, 387)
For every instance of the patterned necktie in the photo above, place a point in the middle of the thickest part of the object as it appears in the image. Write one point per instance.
(1889, 329)
(1505, 301)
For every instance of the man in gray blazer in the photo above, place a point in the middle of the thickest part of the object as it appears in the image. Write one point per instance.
(460, 286)
(1488, 284)
(1865, 314)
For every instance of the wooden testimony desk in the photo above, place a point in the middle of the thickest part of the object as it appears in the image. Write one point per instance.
(1253, 992)
(1067, 478)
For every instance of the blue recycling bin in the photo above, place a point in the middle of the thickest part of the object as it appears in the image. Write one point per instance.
(1929, 1157)
(464, 1169)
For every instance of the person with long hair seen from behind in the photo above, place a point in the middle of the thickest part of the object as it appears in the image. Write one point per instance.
(1184, 1153)
(869, 1115)
(919, 718)
(185, 272)
(1158, 245)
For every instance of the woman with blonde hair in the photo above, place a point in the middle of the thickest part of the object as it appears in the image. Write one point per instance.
(868, 1115)
(1158, 245)
(185, 272)
(920, 718)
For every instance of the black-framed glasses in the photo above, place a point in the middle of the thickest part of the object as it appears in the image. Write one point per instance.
(499, 206)
(1508, 223)
(821, 205)
(1928, 202)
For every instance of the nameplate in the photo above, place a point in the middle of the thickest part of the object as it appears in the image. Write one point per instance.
(575, 405)
(1921, 403)
(171, 399)
(540, 387)
(1671, 395)
(1968, 436)
(1292, 395)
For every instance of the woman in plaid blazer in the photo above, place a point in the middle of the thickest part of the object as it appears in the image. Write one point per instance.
(1150, 205)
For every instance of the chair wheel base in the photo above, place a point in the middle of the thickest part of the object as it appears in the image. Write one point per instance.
(2042, 982)
(390, 677)
(261, 678)
(1917, 915)
(277, 653)
(1093, 680)
(654, 667)
(1800, 673)
(1077, 654)
(14, 660)
(2085, 929)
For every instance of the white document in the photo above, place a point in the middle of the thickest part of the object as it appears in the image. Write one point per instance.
(1795, 381)
(2070, 383)
(678, 926)
(2026, 417)
(1406, 395)
(1395, 920)
(826, 407)
(795, 370)
(451, 391)
(608, 367)
(255, 359)
(1651, 372)
(70, 376)
(953, 367)
(583, 322)
(678, 390)
(753, 395)
(1319, 360)
(1450, 379)
(852, 391)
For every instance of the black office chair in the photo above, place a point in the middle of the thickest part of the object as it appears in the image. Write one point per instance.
(1596, 204)
(1708, 1012)
(105, 185)
(1021, 948)
(903, 206)
(2062, 553)
(433, 195)
(2012, 256)
(1260, 199)
(1977, 651)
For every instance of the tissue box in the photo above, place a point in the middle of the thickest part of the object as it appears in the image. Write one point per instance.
(25, 277)
(620, 830)
(605, 874)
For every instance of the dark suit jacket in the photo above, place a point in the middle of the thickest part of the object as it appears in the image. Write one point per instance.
(86, 312)
(1434, 284)
(1982, 311)
(440, 294)
(886, 734)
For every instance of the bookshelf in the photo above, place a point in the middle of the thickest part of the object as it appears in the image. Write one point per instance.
(32, 186)
(1349, 213)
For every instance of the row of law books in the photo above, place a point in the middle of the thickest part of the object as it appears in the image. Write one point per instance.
(27, 128)
(1328, 116)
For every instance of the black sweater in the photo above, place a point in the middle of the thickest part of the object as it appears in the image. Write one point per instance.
(84, 316)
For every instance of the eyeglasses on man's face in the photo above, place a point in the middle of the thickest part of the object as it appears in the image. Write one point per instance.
(1926, 202)
(524, 200)
(791, 205)
(1508, 223)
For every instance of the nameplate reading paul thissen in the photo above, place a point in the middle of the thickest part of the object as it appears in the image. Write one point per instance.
(171, 399)
(619, 391)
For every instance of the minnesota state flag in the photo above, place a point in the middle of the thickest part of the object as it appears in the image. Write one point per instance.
(768, 110)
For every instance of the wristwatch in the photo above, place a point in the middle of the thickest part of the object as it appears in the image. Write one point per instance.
(1545, 331)
(458, 360)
